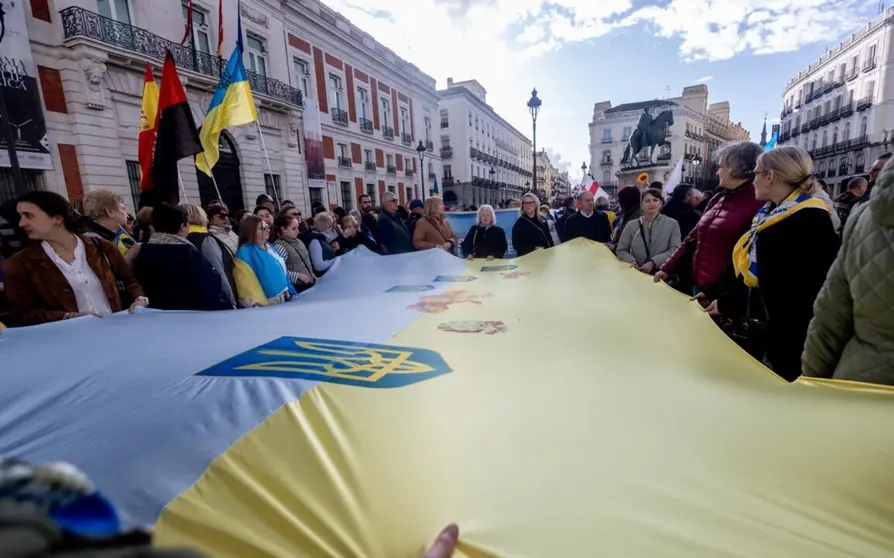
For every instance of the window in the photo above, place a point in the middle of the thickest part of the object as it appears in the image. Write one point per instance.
(825, 138)
(828, 106)
(427, 126)
(855, 62)
(371, 192)
(133, 177)
(273, 187)
(841, 71)
(346, 196)
(470, 119)
(835, 135)
(864, 126)
(316, 195)
(257, 54)
(838, 102)
(431, 169)
(847, 132)
(871, 59)
(391, 189)
(870, 90)
(409, 193)
(830, 77)
(445, 121)
(448, 171)
(199, 39)
(363, 103)
(389, 160)
(813, 144)
(302, 76)
(850, 97)
(343, 150)
(445, 142)
(809, 114)
(367, 156)
(476, 122)
(606, 136)
(404, 120)
(114, 9)
(606, 177)
(335, 91)
(627, 131)
(386, 112)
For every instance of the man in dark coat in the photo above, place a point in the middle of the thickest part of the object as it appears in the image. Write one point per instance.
(394, 238)
(587, 222)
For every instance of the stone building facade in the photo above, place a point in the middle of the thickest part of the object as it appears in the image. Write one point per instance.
(91, 54)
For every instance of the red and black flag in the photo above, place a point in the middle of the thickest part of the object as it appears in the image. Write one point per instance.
(187, 31)
(176, 135)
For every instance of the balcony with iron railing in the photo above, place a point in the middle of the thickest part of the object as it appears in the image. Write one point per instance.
(429, 145)
(448, 180)
(606, 162)
(366, 125)
(406, 139)
(408, 173)
(864, 103)
(391, 169)
(339, 116)
(814, 124)
(345, 162)
(432, 176)
(369, 166)
(388, 132)
(446, 153)
(607, 140)
(796, 131)
(473, 153)
(846, 110)
(852, 75)
(78, 23)
(445, 124)
(869, 65)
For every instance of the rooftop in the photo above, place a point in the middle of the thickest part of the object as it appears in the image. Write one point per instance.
(640, 106)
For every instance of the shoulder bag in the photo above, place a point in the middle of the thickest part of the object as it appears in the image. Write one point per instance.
(123, 294)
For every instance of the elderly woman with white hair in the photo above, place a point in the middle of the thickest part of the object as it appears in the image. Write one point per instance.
(485, 239)
(530, 232)
(322, 252)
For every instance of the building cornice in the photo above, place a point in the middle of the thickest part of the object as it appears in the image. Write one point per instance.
(462, 92)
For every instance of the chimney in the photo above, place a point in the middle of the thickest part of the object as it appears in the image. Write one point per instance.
(449, 82)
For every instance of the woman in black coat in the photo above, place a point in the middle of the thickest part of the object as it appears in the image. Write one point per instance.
(485, 239)
(531, 231)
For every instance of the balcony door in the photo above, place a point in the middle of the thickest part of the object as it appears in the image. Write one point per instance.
(115, 9)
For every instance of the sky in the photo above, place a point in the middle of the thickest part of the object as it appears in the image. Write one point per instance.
(579, 52)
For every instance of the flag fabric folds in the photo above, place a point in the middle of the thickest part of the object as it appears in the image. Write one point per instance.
(187, 31)
(675, 178)
(148, 116)
(281, 432)
(176, 136)
(231, 105)
(773, 141)
(220, 29)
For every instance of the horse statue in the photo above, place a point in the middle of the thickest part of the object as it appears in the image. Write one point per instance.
(655, 137)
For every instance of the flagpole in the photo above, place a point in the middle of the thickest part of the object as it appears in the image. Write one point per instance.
(182, 188)
(267, 158)
(213, 180)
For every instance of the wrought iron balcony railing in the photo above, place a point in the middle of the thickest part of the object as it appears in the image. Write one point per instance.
(429, 145)
(445, 124)
(391, 169)
(387, 132)
(446, 153)
(864, 103)
(345, 162)
(406, 139)
(432, 176)
(369, 166)
(366, 125)
(339, 116)
(408, 173)
(78, 22)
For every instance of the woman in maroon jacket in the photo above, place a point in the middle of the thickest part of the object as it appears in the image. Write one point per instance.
(725, 220)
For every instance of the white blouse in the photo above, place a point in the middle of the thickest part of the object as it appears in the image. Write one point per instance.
(87, 288)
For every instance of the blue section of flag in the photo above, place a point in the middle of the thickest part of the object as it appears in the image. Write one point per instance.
(772, 143)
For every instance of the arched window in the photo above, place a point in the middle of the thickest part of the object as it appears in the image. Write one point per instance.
(859, 163)
(825, 138)
(864, 126)
(813, 144)
(847, 132)
(835, 135)
(606, 177)
(822, 169)
(842, 166)
(809, 115)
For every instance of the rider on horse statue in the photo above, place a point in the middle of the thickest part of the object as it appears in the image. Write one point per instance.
(645, 120)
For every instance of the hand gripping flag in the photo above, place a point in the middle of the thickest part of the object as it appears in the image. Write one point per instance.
(231, 105)
(177, 137)
(148, 116)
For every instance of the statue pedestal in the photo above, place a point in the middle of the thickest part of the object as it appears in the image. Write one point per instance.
(658, 171)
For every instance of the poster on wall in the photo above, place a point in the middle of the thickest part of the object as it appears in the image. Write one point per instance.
(18, 79)
(313, 145)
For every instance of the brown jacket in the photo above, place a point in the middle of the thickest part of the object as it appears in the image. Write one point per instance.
(38, 292)
(431, 234)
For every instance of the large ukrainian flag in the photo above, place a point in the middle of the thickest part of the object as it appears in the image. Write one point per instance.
(406, 392)
(231, 105)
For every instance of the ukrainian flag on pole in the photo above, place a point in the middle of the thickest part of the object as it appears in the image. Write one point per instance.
(232, 105)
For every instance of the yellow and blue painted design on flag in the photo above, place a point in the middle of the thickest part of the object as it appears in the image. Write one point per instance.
(339, 362)
(410, 288)
(455, 278)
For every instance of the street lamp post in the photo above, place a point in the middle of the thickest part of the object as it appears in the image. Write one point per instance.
(420, 149)
(492, 173)
(696, 161)
(534, 107)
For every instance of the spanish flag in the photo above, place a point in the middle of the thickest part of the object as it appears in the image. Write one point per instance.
(176, 133)
(148, 116)
(231, 105)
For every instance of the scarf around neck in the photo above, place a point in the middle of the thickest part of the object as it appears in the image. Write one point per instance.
(267, 268)
(745, 251)
(169, 239)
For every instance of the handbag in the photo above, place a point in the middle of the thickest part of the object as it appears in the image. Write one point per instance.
(642, 234)
(123, 293)
(749, 333)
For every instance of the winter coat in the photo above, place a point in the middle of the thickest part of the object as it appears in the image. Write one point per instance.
(851, 336)
(686, 215)
(727, 217)
(596, 227)
(641, 243)
(529, 234)
(483, 242)
(392, 234)
(429, 233)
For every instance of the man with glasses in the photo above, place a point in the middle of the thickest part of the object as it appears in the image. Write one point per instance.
(393, 235)
(874, 171)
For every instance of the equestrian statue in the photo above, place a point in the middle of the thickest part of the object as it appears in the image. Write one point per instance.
(650, 132)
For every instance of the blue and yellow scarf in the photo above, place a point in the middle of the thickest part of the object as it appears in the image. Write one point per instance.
(745, 251)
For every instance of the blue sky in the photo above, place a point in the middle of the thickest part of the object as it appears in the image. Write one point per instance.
(578, 52)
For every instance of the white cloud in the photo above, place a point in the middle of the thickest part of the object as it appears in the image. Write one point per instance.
(705, 79)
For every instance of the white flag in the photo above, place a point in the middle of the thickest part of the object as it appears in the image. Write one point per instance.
(676, 176)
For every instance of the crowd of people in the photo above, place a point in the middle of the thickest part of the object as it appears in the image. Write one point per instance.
(761, 255)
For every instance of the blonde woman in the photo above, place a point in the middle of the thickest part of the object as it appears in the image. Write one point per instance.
(215, 251)
(530, 232)
(485, 239)
(105, 216)
(318, 241)
(781, 262)
(433, 231)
